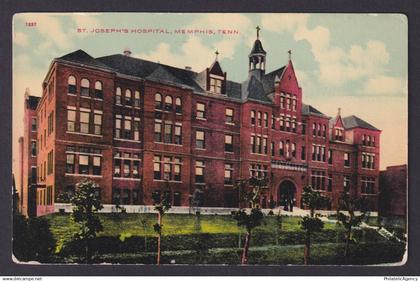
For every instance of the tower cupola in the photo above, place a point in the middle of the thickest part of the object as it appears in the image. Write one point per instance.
(257, 58)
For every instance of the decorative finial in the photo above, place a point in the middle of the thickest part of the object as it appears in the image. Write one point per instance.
(290, 54)
(339, 111)
(217, 54)
(258, 31)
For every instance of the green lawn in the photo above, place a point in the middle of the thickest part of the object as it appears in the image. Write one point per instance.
(127, 225)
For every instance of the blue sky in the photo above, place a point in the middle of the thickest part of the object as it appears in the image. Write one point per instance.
(354, 61)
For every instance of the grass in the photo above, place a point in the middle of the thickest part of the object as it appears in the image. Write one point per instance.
(128, 225)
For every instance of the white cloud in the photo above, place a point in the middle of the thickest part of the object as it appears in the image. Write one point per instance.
(385, 85)
(20, 38)
(83, 20)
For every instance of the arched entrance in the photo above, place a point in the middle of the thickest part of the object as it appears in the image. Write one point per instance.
(286, 195)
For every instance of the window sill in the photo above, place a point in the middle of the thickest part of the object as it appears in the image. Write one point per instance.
(201, 118)
(84, 134)
(127, 140)
(166, 143)
(130, 179)
(200, 183)
(229, 152)
(202, 149)
(173, 181)
(230, 123)
(83, 175)
(98, 99)
(70, 94)
(85, 97)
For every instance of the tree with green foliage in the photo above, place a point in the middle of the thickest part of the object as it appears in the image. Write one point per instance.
(86, 205)
(250, 194)
(350, 205)
(313, 200)
(162, 205)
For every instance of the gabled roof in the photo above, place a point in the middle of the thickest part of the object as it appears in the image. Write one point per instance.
(32, 102)
(310, 110)
(216, 69)
(353, 121)
(268, 79)
(257, 48)
(82, 57)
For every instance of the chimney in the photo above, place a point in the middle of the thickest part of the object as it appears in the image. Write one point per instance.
(127, 52)
(188, 68)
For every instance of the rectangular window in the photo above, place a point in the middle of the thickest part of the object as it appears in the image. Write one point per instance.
(252, 117)
(229, 115)
(287, 124)
(215, 86)
(167, 168)
(346, 183)
(136, 129)
(272, 148)
(264, 146)
(282, 128)
(117, 166)
(137, 99)
(329, 186)
(199, 171)
(229, 143)
(318, 180)
(118, 122)
(265, 119)
(33, 148)
(330, 156)
(293, 149)
(70, 164)
(97, 120)
(157, 174)
(97, 167)
(84, 122)
(136, 169)
(168, 133)
(83, 164)
(303, 128)
(346, 159)
(273, 121)
(178, 133)
(158, 132)
(33, 124)
(50, 162)
(253, 147)
(259, 118)
(177, 169)
(126, 168)
(200, 139)
(201, 110)
(33, 174)
(281, 148)
(71, 120)
(229, 174)
(127, 128)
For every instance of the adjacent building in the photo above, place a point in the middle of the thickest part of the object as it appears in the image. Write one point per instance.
(137, 127)
(393, 192)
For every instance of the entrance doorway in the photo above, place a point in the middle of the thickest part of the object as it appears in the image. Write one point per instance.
(286, 195)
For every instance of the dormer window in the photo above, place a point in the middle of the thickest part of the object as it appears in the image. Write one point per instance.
(215, 85)
(339, 134)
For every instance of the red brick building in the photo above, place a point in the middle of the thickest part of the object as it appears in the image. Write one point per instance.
(136, 127)
(393, 191)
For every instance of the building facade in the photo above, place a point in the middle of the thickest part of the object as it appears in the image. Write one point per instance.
(393, 192)
(137, 127)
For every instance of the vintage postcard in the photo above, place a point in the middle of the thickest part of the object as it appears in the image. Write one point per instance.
(210, 138)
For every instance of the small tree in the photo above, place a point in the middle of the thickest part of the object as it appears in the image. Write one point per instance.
(162, 205)
(86, 205)
(350, 205)
(313, 200)
(255, 216)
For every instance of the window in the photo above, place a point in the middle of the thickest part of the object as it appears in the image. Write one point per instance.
(137, 99)
(303, 128)
(253, 147)
(303, 153)
(127, 128)
(339, 134)
(158, 132)
(324, 131)
(258, 171)
(368, 185)
(201, 110)
(259, 118)
(329, 185)
(282, 104)
(84, 122)
(84, 87)
(346, 183)
(330, 156)
(178, 133)
(50, 122)
(177, 169)
(229, 173)
(282, 128)
(83, 164)
(264, 145)
(136, 128)
(97, 165)
(314, 129)
(167, 168)
(273, 121)
(33, 174)
(229, 143)
(252, 117)
(158, 101)
(318, 180)
(368, 160)
(199, 171)
(118, 121)
(136, 169)
(215, 86)
(71, 85)
(288, 124)
(288, 102)
(98, 90)
(200, 139)
(118, 96)
(157, 174)
(125, 196)
(265, 116)
(346, 159)
(50, 162)
(168, 133)
(178, 105)
(117, 166)
(177, 199)
(281, 148)
(168, 103)
(272, 148)
(229, 115)
(33, 148)
(97, 120)
(126, 167)
(71, 120)
(287, 149)
(294, 125)
(33, 124)
(294, 103)
(318, 153)
(127, 98)
(293, 149)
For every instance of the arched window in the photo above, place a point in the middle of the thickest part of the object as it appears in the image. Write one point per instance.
(84, 87)
(98, 90)
(137, 99)
(118, 96)
(127, 97)
(72, 85)
(158, 101)
(168, 103)
(178, 105)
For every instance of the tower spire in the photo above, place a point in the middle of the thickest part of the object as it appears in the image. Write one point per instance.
(258, 31)
(217, 54)
(290, 54)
